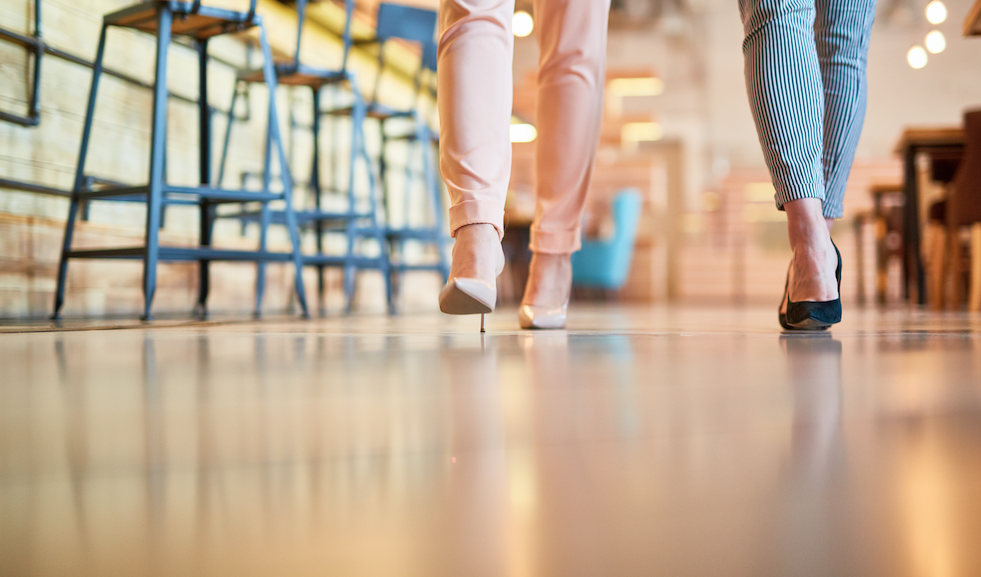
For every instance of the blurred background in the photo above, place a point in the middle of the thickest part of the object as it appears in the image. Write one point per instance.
(677, 134)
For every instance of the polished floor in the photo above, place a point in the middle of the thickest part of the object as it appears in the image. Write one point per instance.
(643, 441)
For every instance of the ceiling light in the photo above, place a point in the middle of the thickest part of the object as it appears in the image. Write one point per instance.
(935, 42)
(917, 57)
(936, 12)
(522, 24)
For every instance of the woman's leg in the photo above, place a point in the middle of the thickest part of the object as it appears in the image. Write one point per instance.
(783, 80)
(841, 31)
(475, 53)
(571, 77)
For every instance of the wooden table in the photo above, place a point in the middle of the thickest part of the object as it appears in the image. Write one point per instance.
(912, 142)
(972, 24)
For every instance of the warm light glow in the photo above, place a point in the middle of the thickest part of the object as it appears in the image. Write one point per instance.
(917, 57)
(633, 132)
(522, 24)
(759, 191)
(936, 12)
(636, 86)
(523, 133)
(935, 42)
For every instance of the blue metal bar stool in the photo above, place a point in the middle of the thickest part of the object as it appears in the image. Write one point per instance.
(416, 25)
(165, 19)
(361, 214)
(431, 231)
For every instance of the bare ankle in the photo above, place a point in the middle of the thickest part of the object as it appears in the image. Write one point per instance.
(551, 257)
(549, 279)
(806, 225)
(477, 252)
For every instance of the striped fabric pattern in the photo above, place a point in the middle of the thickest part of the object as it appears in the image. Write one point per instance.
(805, 76)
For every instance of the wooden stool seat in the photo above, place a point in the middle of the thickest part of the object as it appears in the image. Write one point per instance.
(199, 22)
(290, 74)
(376, 112)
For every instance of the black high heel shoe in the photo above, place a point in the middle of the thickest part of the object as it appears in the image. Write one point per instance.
(814, 316)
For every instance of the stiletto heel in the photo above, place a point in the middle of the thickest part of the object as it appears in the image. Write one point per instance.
(809, 315)
(782, 316)
(482, 322)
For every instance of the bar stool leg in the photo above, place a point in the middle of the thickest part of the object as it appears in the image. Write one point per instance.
(264, 218)
(66, 247)
(79, 186)
(291, 223)
(206, 222)
(383, 167)
(157, 151)
(260, 284)
(410, 153)
(387, 246)
(350, 272)
(430, 177)
(315, 189)
(437, 204)
(378, 226)
(228, 135)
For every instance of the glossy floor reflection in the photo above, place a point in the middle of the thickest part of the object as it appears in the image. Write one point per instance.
(644, 441)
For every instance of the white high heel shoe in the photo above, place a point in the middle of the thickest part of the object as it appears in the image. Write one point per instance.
(538, 317)
(470, 296)
(467, 296)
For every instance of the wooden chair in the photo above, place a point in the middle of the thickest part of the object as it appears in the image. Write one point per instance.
(887, 215)
(943, 168)
(963, 210)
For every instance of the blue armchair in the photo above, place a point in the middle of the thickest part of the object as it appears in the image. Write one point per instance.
(606, 263)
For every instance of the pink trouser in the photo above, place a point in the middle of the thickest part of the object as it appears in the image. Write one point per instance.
(475, 53)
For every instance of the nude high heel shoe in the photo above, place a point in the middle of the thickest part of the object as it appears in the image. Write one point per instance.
(538, 317)
(532, 316)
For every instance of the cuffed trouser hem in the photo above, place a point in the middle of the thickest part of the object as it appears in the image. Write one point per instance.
(555, 241)
(829, 210)
(785, 194)
(476, 212)
(832, 212)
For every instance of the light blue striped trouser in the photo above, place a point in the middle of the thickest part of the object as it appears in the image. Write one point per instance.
(805, 75)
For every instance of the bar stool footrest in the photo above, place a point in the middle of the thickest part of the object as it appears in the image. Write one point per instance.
(179, 253)
(213, 195)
